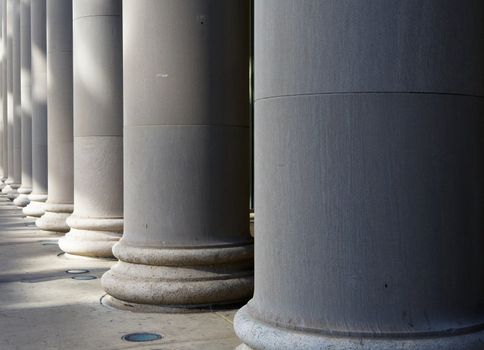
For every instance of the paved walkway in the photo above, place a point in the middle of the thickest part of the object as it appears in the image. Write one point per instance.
(43, 307)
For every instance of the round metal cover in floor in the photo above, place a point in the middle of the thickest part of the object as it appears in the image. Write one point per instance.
(84, 277)
(141, 337)
(77, 271)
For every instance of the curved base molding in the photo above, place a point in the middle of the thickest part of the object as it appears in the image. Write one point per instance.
(13, 192)
(258, 335)
(36, 206)
(181, 278)
(23, 198)
(55, 216)
(6, 189)
(93, 237)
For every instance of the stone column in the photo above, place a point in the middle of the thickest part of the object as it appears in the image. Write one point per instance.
(186, 241)
(97, 221)
(39, 110)
(369, 148)
(17, 108)
(4, 84)
(3, 96)
(26, 105)
(11, 20)
(59, 204)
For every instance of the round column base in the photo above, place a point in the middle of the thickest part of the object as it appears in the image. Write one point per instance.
(36, 206)
(181, 278)
(13, 193)
(258, 335)
(23, 198)
(92, 237)
(54, 219)
(114, 303)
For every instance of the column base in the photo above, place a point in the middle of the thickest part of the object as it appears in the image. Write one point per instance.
(54, 219)
(93, 237)
(13, 192)
(258, 335)
(23, 198)
(181, 278)
(35, 208)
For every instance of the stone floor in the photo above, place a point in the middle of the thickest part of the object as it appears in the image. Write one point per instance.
(43, 307)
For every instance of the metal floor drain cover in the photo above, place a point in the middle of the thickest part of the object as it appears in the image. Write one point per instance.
(77, 271)
(84, 277)
(141, 337)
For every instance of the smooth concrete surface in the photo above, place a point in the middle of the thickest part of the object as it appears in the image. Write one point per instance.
(97, 221)
(17, 108)
(369, 185)
(26, 105)
(39, 110)
(186, 242)
(42, 307)
(10, 108)
(59, 204)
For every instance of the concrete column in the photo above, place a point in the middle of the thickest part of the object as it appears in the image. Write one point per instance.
(39, 110)
(369, 148)
(10, 104)
(4, 81)
(186, 241)
(3, 134)
(97, 221)
(17, 108)
(26, 106)
(59, 204)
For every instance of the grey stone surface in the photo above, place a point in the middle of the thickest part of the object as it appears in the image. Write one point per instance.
(9, 69)
(15, 108)
(368, 46)
(97, 221)
(39, 110)
(369, 179)
(186, 241)
(4, 84)
(26, 105)
(59, 204)
(3, 97)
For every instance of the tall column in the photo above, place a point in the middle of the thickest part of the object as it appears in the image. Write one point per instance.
(4, 84)
(97, 221)
(59, 204)
(39, 110)
(3, 95)
(369, 148)
(186, 241)
(26, 105)
(17, 108)
(10, 101)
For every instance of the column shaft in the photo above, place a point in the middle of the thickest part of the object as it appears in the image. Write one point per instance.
(59, 204)
(39, 109)
(186, 241)
(26, 105)
(3, 96)
(10, 103)
(4, 83)
(97, 221)
(369, 148)
(17, 108)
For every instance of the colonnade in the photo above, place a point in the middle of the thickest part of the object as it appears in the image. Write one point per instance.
(125, 129)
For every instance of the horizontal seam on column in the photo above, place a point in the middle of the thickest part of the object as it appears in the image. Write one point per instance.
(369, 93)
(54, 51)
(75, 136)
(75, 19)
(191, 125)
